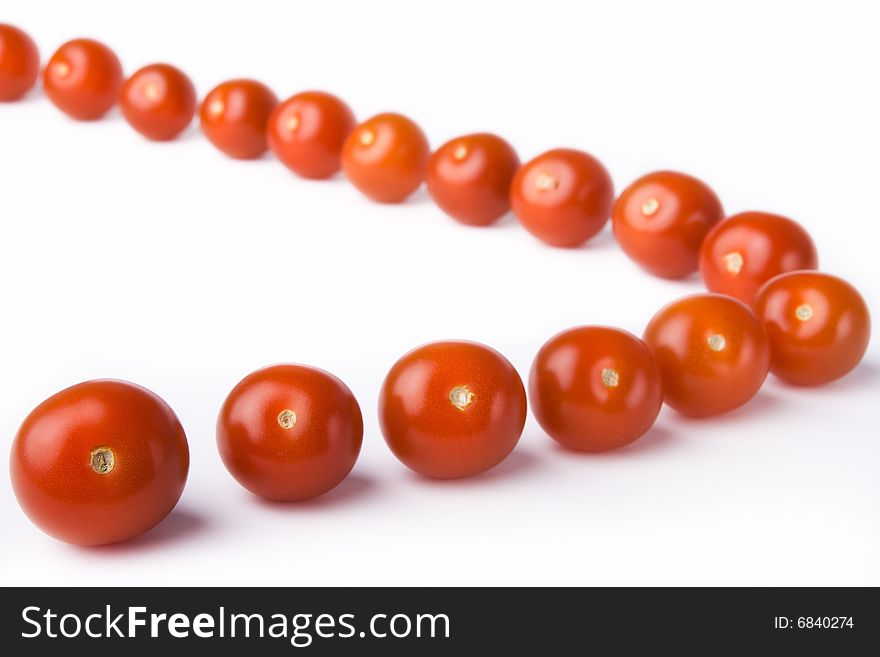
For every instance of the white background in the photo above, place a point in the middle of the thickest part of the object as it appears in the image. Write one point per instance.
(175, 267)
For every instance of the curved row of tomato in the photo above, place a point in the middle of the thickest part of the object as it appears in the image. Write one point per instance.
(106, 460)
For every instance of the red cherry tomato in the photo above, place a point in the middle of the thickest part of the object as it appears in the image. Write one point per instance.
(307, 131)
(452, 409)
(745, 251)
(83, 79)
(290, 432)
(661, 219)
(563, 197)
(100, 462)
(159, 101)
(818, 325)
(235, 115)
(386, 157)
(469, 178)
(713, 353)
(19, 63)
(595, 388)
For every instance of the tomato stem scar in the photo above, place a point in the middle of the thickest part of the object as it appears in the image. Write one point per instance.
(650, 207)
(102, 460)
(716, 342)
(287, 419)
(804, 312)
(461, 397)
(610, 377)
(733, 262)
(546, 182)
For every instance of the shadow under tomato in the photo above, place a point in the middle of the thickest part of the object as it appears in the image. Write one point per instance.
(601, 241)
(112, 115)
(687, 282)
(35, 93)
(865, 374)
(766, 402)
(191, 132)
(604, 239)
(352, 489)
(180, 525)
(521, 461)
(507, 221)
(657, 437)
(420, 195)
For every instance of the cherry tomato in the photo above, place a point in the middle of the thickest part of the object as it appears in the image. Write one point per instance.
(290, 432)
(159, 101)
(563, 197)
(713, 353)
(386, 157)
(19, 63)
(595, 388)
(818, 325)
(307, 131)
(746, 250)
(100, 462)
(452, 409)
(469, 178)
(83, 79)
(661, 219)
(235, 115)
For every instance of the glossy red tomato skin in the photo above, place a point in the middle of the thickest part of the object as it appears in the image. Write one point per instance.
(819, 326)
(19, 63)
(432, 435)
(159, 101)
(234, 117)
(307, 131)
(713, 353)
(661, 220)
(595, 388)
(83, 79)
(53, 466)
(469, 178)
(386, 157)
(746, 250)
(563, 197)
(293, 459)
